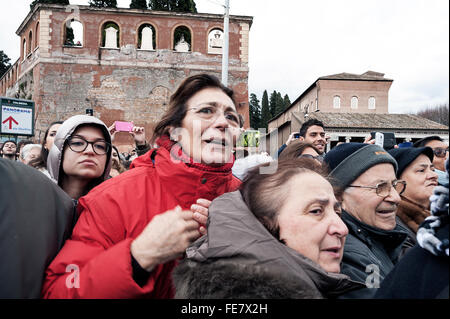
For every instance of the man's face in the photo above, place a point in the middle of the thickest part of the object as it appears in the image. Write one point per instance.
(9, 148)
(316, 136)
(438, 162)
(365, 205)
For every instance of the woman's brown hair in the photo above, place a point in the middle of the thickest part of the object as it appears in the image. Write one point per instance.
(295, 149)
(265, 193)
(177, 105)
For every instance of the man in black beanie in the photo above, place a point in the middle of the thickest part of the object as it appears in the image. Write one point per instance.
(364, 177)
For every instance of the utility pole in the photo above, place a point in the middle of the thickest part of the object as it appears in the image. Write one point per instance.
(226, 22)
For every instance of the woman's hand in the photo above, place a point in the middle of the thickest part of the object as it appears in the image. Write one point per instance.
(201, 211)
(138, 134)
(165, 238)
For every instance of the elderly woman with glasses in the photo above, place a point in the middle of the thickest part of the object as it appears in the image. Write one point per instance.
(133, 228)
(279, 236)
(80, 156)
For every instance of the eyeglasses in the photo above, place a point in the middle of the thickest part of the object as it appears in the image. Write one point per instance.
(384, 189)
(210, 112)
(440, 151)
(317, 158)
(79, 144)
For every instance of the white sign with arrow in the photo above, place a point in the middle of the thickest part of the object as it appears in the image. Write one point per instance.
(17, 120)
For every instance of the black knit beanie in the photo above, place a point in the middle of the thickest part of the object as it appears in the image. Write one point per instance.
(349, 160)
(404, 156)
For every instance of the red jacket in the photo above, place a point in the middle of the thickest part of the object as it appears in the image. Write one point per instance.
(115, 213)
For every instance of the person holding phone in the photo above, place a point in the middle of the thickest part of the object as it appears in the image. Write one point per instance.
(312, 131)
(133, 228)
(137, 132)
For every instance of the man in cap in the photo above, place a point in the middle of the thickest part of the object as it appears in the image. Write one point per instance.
(364, 176)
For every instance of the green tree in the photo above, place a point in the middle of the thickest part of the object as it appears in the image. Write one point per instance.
(255, 112)
(103, 3)
(273, 103)
(173, 5)
(69, 36)
(4, 63)
(49, 2)
(287, 101)
(265, 111)
(279, 104)
(138, 4)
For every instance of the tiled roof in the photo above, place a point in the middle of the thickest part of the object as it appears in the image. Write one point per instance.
(370, 120)
(369, 75)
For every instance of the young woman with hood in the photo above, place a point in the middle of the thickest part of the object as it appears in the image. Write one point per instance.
(80, 157)
(134, 227)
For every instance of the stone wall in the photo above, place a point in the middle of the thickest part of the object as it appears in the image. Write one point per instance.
(126, 83)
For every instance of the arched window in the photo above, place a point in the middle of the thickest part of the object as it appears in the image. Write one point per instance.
(182, 39)
(146, 37)
(73, 33)
(354, 102)
(30, 42)
(372, 105)
(24, 48)
(36, 41)
(110, 35)
(215, 41)
(336, 102)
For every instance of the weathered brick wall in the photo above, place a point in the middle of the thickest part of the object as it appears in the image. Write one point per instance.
(126, 83)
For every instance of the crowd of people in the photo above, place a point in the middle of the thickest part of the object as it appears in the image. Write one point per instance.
(186, 217)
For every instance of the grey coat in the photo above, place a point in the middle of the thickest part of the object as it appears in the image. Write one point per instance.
(369, 251)
(239, 258)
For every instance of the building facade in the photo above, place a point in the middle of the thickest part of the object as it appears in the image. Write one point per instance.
(346, 93)
(354, 127)
(122, 63)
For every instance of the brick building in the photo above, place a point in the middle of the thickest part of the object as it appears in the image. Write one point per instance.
(122, 63)
(346, 93)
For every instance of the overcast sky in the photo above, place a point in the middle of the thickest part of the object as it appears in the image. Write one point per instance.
(294, 42)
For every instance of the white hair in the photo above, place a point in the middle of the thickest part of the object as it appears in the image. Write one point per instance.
(27, 148)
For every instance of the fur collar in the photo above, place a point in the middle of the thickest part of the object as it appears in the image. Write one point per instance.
(412, 213)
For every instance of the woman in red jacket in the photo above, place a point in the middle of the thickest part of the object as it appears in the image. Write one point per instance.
(133, 228)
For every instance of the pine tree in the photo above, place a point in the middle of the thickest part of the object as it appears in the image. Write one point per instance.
(4, 63)
(103, 3)
(255, 112)
(49, 2)
(279, 104)
(287, 101)
(265, 111)
(138, 4)
(273, 103)
(173, 5)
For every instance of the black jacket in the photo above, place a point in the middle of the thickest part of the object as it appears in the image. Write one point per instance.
(369, 251)
(418, 275)
(36, 216)
(239, 258)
